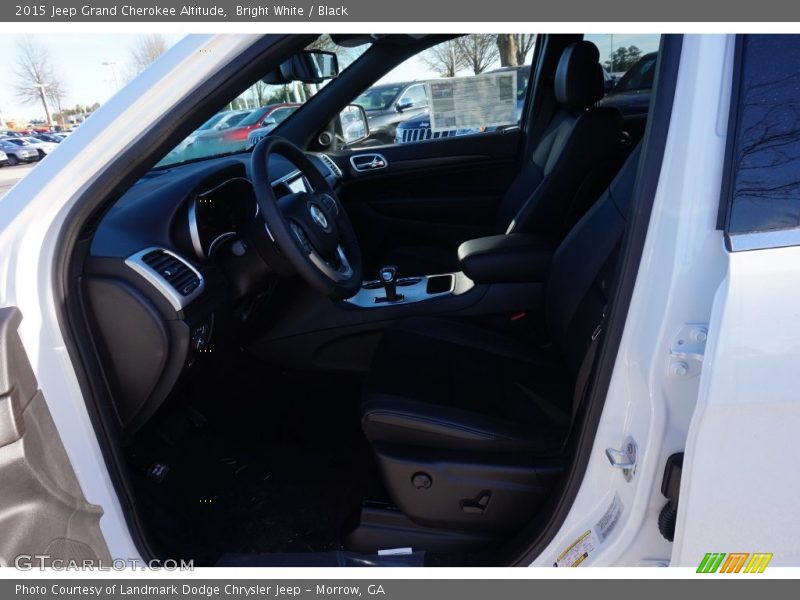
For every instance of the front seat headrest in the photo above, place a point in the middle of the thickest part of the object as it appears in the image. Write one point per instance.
(579, 76)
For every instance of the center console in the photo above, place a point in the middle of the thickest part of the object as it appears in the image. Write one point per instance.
(499, 276)
(381, 293)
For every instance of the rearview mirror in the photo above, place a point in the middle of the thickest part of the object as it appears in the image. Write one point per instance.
(308, 66)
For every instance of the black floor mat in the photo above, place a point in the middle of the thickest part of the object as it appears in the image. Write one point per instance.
(260, 461)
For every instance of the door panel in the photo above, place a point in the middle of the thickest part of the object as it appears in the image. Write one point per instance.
(42, 507)
(434, 193)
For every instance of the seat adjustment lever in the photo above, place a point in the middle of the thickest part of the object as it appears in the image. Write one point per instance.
(477, 505)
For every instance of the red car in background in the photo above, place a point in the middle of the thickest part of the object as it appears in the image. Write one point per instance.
(234, 138)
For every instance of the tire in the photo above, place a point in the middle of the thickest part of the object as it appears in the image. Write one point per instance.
(13, 161)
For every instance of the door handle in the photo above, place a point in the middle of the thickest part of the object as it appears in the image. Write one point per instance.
(368, 162)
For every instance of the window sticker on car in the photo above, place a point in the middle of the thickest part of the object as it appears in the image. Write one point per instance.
(473, 102)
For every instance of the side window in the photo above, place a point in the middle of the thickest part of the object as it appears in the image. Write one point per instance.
(628, 60)
(640, 76)
(762, 183)
(279, 115)
(469, 85)
(417, 95)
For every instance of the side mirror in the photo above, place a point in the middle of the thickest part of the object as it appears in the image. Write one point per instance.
(308, 66)
(404, 104)
(354, 124)
(269, 121)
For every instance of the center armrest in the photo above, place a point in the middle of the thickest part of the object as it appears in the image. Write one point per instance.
(507, 258)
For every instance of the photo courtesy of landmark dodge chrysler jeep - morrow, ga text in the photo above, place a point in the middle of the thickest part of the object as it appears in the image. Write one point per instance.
(549, 341)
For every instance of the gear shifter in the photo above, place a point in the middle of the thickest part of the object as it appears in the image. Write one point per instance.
(388, 277)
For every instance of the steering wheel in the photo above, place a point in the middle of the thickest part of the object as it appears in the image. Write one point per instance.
(311, 229)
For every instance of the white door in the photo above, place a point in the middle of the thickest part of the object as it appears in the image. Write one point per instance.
(741, 484)
(44, 516)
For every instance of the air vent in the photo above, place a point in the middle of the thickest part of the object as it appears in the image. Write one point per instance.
(332, 166)
(171, 275)
(177, 273)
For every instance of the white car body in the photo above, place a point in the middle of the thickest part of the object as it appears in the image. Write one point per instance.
(46, 147)
(737, 492)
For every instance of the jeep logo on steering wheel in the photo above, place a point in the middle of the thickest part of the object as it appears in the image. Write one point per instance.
(318, 216)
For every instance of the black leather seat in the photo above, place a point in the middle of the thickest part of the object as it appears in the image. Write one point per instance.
(442, 393)
(571, 165)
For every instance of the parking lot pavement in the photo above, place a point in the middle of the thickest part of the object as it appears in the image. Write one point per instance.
(11, 175)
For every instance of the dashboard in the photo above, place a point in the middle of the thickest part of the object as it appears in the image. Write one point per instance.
(176, 254)
(156, 208)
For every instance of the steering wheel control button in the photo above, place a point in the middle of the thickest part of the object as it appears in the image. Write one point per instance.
(301, 237)
(422, 481)
(329, 203)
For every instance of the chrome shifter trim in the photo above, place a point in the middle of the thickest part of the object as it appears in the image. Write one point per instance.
(412, 290)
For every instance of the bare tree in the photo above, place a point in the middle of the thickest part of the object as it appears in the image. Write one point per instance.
(514, 48)
(260, 92)
(56, 94)
(507, 48)
(147, 49)
(478, 51)
(445, 58)
(525, 42)
(36, 77)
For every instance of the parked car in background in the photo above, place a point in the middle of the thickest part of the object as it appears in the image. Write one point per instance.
(230, 138)
(389, 104)
(225, 118)
(42, 148)
(3, 159)
(52, 138)
(418, 128)
(18, 153)
(632, 94)
(275, 118)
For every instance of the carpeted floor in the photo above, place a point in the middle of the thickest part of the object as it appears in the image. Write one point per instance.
(259, 461)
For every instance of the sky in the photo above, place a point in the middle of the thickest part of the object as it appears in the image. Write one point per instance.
(414, 69)
(79, 60)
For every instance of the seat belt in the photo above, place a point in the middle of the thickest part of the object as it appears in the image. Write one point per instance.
(585, 373)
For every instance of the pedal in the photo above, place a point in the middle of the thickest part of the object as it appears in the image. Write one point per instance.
(196, 418)
(157, 472)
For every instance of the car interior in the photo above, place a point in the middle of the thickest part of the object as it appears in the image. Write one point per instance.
(314, 351)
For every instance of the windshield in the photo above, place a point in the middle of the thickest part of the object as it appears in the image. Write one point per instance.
(262, 107)
(378, 97)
